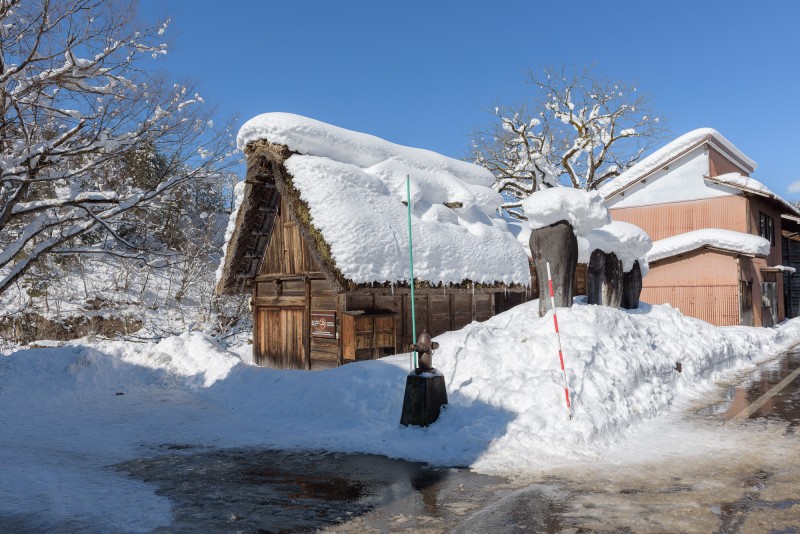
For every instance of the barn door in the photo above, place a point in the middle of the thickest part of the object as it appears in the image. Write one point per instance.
(279, 342)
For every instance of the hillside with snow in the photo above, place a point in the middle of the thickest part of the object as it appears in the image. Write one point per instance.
(71, 410)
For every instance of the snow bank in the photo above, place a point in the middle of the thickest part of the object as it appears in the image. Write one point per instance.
(714, 237)
(584, 210)
(626, 240)
(668, 152)
(355, 187)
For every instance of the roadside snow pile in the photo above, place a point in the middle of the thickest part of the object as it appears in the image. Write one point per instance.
(352, 181)
(584, 210)
(713, 237)
(626, 240)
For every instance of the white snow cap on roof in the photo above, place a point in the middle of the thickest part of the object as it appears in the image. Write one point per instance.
(584, 210)
(715, 237)
(668, 152)
(740, 181)
(626, 240)
(355, 184)
(314, 138)
(746, 183)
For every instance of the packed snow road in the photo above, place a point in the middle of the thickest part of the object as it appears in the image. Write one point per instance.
(72, 412)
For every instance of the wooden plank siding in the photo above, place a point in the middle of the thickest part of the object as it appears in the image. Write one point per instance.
(287, 252)
(719, 164)
(716, 304)
(436, 310)
(702, 284)
(666, 220)
(697, 268)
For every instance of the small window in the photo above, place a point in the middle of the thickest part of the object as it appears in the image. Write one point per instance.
(767, 227)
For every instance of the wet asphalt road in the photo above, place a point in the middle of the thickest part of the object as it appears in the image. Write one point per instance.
(778, 405)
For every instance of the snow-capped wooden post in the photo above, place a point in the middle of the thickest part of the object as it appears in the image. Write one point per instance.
(558, 336)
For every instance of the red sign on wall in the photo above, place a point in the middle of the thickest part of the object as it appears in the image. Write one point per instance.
(323, 324)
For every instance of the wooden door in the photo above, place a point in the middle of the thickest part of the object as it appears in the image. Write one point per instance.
(279, 342)
(745, 303)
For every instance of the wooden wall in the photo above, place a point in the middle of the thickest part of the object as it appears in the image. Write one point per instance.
(436, 310)
(667, 220)
(719, 164)
(702, 284)
(283, 309)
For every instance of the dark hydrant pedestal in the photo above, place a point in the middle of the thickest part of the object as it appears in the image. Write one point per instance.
(425, 388)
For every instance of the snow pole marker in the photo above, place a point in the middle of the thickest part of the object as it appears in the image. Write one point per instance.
(558, 336)
(411, 268)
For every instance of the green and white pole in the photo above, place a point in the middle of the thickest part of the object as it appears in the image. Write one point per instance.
(411, 266)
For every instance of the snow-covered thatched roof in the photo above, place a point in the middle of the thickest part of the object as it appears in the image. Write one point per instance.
(352, 187)
(672, 151)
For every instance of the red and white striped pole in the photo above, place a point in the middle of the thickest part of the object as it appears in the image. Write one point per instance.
(558, 336)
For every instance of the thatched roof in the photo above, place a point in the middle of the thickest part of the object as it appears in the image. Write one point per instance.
(346, 193)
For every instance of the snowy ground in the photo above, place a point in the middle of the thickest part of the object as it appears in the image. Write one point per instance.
(71, 411)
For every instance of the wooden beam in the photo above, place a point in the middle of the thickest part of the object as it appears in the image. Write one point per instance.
(307, 325)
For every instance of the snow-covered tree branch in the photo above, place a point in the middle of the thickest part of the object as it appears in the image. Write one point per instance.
(579, 131)
(83, 121)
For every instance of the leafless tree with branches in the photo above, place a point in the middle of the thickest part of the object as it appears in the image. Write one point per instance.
(579, 131)
(76, 102)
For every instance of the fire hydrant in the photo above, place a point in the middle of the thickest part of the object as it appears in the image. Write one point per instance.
(424, 348)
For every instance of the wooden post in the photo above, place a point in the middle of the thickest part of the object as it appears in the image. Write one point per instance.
(428, 312)
(307, 325)
(452, 312)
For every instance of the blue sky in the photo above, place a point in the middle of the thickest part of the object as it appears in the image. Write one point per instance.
(425, 74)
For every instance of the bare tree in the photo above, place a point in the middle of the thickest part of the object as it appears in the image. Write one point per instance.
(76, 103)
(579, 131)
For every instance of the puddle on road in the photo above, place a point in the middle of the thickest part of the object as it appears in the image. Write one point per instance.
(752, 489)
(784, 406)
(244, 490)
